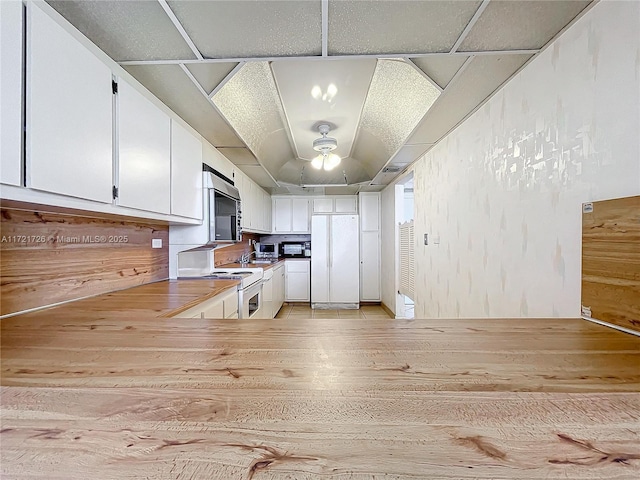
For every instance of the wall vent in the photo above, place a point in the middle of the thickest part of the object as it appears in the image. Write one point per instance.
(391, 169)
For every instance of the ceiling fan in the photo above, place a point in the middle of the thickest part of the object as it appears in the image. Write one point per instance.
(325, 145)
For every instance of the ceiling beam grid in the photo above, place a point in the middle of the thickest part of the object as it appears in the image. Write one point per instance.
(470, 25)
(176, 23)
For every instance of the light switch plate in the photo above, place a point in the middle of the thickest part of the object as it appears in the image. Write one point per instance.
(156, 243)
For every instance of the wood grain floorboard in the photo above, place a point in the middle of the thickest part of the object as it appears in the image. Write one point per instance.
(143, 397)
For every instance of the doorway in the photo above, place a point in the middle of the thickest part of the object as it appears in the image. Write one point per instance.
(405, 306)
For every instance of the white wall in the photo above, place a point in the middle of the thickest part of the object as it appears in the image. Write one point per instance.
(504, 190)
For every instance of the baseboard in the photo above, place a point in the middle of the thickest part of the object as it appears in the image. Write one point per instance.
(388, 310)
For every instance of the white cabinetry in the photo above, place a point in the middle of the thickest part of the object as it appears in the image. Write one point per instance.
(186, 172)
(216, 160)
(254, 211)
(335, 261)
(339, 204)
(278, 289)
(144, 152)
(272, 291)
(291, 215)
(297, 280)
(224, 305)
(370, 247)
(11, 24)
(69, 113)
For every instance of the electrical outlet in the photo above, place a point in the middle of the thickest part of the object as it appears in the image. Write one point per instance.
(426, 239)
(156, 243)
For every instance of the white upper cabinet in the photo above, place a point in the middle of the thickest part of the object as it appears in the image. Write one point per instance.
(69, 113)
(11, 23)
(144, 152)
(186, 172)
(291, 215)
(212, 157)
(338, 204)
(256, 205)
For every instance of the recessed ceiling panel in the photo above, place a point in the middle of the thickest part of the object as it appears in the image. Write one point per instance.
(525, 24)
(314, 91)
(251, 104)
(130, 30)
(480, 79)
(440, 69)
(209, 75)
(231, 29)
(389, 27)
(172, 86)
(398, 98)
(239, 156)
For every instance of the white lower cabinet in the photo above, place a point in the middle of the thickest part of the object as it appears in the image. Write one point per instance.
(278, 289)
(297, 280)
(224, 305)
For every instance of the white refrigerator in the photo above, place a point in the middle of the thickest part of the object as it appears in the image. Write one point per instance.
(335, 261)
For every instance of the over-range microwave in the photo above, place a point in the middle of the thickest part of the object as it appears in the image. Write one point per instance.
(224, 208)
(295, 249)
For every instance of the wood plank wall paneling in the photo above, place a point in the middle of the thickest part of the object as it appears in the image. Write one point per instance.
(611, 262)
(232, 252)
(54, 256)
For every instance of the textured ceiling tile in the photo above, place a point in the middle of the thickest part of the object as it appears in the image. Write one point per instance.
(388, 27)
(228, 29)
(440, 69)
(209, 75)
(525, 24)
(126, 30)
(480, 79)
(251, 104)
(172, 86)
(398, 98)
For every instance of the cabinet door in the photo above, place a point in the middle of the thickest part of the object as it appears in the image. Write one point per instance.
(69, 114)
(346, 204)
(297, 288)
(370, 212)
(323, 205)
(144, 152)
(213, 309)
(300, 215)
(212, 157)
(186, 172)
(282, 215)
(11, 23)
(370, 266)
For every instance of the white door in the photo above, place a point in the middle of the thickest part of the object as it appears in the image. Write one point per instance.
(320, 258)
(344, 260)
(144, 152)
(69, 114)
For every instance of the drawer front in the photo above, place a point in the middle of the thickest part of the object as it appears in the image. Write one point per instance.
(294, 266)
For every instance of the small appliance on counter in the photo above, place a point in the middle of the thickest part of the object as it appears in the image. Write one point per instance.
(295, 249)
(267, 251)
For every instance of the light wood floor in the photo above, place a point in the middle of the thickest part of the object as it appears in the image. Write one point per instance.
(293, 310)
(296, 398)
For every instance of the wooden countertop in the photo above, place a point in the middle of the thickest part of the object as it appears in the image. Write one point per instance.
(106, 397)
(159, 299)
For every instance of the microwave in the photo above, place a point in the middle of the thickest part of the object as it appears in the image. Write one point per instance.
(295, 249)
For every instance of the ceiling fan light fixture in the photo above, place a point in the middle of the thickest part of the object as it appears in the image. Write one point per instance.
(331, 161)
(317, 162)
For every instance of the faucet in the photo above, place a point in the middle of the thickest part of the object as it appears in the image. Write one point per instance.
(246, 257)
